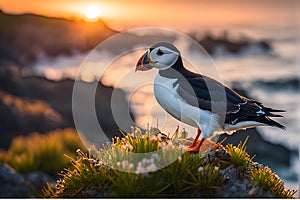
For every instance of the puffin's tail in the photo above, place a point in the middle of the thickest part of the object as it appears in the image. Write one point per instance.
(267, 120)
(272, 122)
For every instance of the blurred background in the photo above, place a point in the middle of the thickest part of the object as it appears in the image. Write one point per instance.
(254, 45)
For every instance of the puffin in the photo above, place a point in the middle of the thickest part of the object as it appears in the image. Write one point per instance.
(201, 101)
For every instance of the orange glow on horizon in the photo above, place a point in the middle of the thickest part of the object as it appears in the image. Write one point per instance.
(176, 14)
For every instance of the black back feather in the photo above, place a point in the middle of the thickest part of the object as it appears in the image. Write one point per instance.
(197, 90)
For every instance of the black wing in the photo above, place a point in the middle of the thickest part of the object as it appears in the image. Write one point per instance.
(203, 92)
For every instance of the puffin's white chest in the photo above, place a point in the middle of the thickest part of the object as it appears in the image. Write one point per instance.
(166, 95)
(165, 91)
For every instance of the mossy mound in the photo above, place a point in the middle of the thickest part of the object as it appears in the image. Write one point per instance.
(217, 172)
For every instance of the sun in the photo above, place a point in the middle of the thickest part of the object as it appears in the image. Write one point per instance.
(92, 13)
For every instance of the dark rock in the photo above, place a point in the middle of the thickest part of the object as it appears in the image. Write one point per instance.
(24, 37)
(291, 83)
(238, 185)
(15, 185)
(56, 96)
(233, 186)
(210, 43)
(12, 183)
(39, 180)
(264, 45)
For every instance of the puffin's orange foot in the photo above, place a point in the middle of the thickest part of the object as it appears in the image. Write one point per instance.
(194, 148)
(218, 146)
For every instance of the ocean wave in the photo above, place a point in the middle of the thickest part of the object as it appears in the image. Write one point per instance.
(287, 83)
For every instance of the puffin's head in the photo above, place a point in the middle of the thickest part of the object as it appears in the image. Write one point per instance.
(162, 55)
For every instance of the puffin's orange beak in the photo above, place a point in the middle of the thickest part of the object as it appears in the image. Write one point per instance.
(143, 63)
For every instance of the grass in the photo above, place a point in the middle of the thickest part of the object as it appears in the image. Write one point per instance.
(42, 152)
(118, 172)
(267, 180)
(239, 156)
(204, 181)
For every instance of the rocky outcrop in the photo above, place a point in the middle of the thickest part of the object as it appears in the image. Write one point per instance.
(234, 46)
(15, 185)
(12, 183)
(239, 186)
(38, 181)
(26, 37)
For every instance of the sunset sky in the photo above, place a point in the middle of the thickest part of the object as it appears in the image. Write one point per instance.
(123, 14)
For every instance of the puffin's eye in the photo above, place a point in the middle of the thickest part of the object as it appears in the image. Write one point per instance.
(159, 52)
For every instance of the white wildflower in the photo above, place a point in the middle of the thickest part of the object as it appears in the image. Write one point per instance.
(151, 168)
(155, 156)
(151, 160)
(200, 169)
(137, 131)
(125, 164)
(140, 164)
(144, 161)
(140, 170)
(131, 166)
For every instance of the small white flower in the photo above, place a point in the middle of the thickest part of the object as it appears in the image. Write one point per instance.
(151, 160)
(200, 169)
(140, 170)
(131, 166)
(137, 131)
(155, 156)
(151, 168)
(140, 164)
(144, 161)
(125, 164)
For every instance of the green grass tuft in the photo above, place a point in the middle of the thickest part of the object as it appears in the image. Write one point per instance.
(205, 181)
(267, 180)
(182, 178)
(238, 155)
(43, 152)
